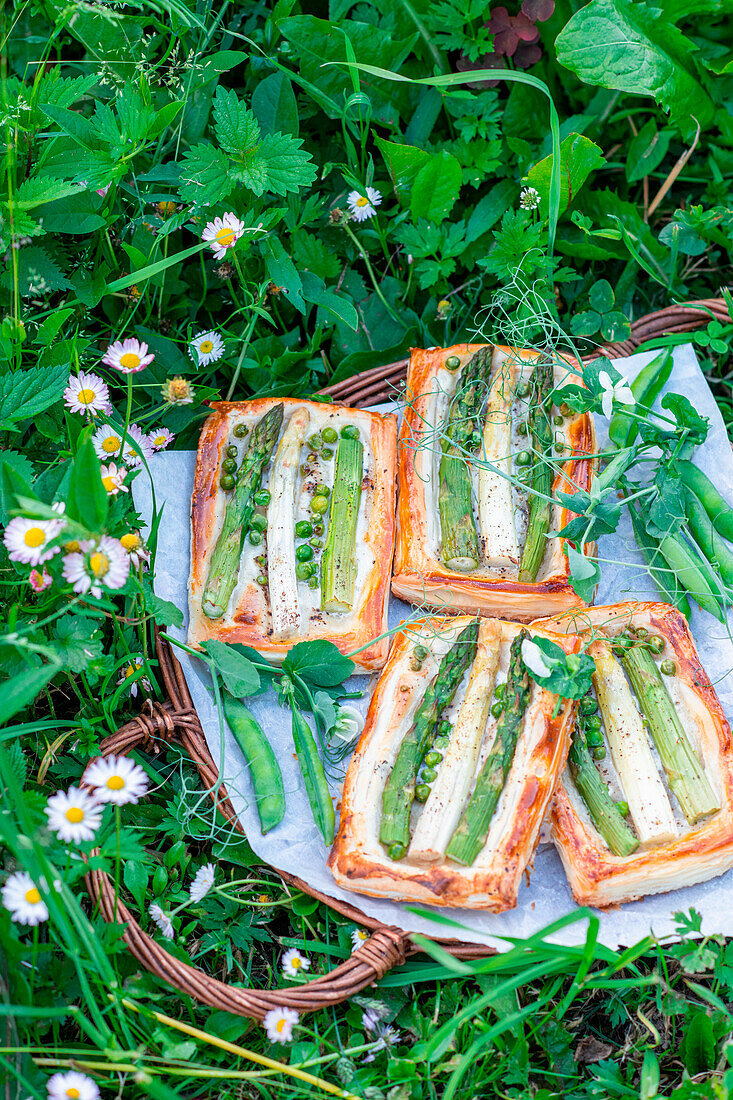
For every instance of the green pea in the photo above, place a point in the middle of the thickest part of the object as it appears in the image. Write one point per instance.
(303, 529)
(304, 552)
(262, 579)
(441, 742)
(313, 582)
(623, 808)
(594, 737)
(599, 752)
(641, 631)
(668, 668)
(415, 665)
(420, 652)
(255, 537)
(315, 442)
(229, 466)
(241, 431)
(593, 723)
(262, 497)
(232, 451)
(497, 708)
(433, 757)
(322, 491)
(319, 505)
(453, 362)
(445, 727)
(258, 522)
(559, 448)
(326, 453)
(558, 420)
(656, 643)
(260, 559)
(350, 431)
(500, 690)
(329, 435)
(429, 774)
(588, 705)
(302, 571)
(523, 458)
(422, 792)
(396, 850)
(227, 482)
(317, 544)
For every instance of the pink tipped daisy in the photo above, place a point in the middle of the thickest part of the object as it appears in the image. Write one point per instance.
(96, 565)
(86, 393)
(113, 478)
(128, 355)
(137, 446)
(27, 539)
(135, 548)
(40, 581)
(223, 233)
(362, 206)
(159, 438)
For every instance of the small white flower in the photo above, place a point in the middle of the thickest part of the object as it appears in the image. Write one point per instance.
(358, 938)
(113, 479)
(620, 391)
(159, 438)
(348, 725)
(96, 564)
(362, 206)
(203, 880)
(208, 346)
(534, 659)
(22, 899)
(86, 393)
(72, 1085)
(128, 355)
(40, 581)
(135, 548)
(116, 779)
(74, 815)
(223, 233)
(27, 539)
(294, 963)
(529, 199)
(163, 921)
(107, 442)
(279, 1024)
(132, 669)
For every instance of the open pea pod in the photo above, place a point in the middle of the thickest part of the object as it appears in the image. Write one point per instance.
(646, 388)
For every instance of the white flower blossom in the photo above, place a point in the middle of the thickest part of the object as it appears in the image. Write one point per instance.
(612, 392)
(96, 564)
(203, 880)
(72, 1086)
(363, 206)
(74, 815)
(86, 393)
(116, 779)
(135, 548)
(358, 938)
(529, 198)
(160, 438)
(135, 665)
(27, 539)
(113, 479)
(279, 1024)
(128, 356)
(223, 233)
(208, 346)
(22, 899)
(294, 963)
(163, 921)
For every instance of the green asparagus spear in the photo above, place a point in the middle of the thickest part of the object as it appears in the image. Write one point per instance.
(459, 541)
(685, 775)
(338, 568)
(591, 787)
(399, 791)
(473, 828)
(538, 523)
(224, 564)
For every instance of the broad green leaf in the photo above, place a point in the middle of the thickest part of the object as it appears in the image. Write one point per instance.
(19, 691)
(22, 467)
(87, 500)
(281, 269)
(237, 129)
(586, 323)
(274, 105)
(403, 164)
(135, 876)
(49, 329)
(288, 166)
(579, 156)
(73, 124)
(238, 673)
(28, 392)
(628, 45)
(698, 1046)
(311, 254)
(38, 273)
(615, 326)
(205, 175)
(585, 573)
(314, 290)
(319, 662)
(601, 296)
(646, 151)
(436, 187)
(32, 192)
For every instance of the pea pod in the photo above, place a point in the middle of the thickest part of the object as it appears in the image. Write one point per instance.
(694, 573)
(665, 579)
(718, 509)
(702, 529)
(646, 388)
(314, 775)
(267, 779)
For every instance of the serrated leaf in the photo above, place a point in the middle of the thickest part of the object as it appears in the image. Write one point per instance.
(289, 167)
(78, 641)
(73, 124)
(236, 127)
(204, 177)
(311, 254)
(38, 273)
(39, 189)
(28, 392)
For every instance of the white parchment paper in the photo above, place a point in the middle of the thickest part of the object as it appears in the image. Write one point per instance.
(296, 846)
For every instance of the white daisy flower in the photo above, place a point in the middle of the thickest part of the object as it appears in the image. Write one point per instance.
(72, 1085)
(361, 206)
(27, 539)
(208, 346)
(529, 198)
(113, 478)
(177, 391)
(96, 564)
(86, 393)
(279, 1024)
(116, 779)
(163, 921)
(223, 233)
(74, 815)
(39, 581)
(131, 670)
(128, 355)
(135, 548)
(358, 938)
(107, 442)
(294, 963)
(203, 880)
(159, 438)
(618, 391)
(22, 899)
(534, 659)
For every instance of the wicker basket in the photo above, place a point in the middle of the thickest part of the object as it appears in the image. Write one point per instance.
(176, 720)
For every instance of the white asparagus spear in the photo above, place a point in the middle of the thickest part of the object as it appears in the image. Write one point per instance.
(282, 581)
(495, 500)
(643, 788)
(442, 811)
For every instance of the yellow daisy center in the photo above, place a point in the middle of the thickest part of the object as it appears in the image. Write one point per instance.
(159, 440)
(74, 814)
(226, 236)
(34, 536)
(131, 670)
(296, 963)
(206, 346)
(32, 896)
(130, 360)
(73, 1094)
(86, 397)
(279, 1026)
(264, 899)
(165, 208)
(362, 934)
(109, 483)
(111, 444)
(115, 782)
(131, 541)
(362, 201)
(72, 546)
(99, 563)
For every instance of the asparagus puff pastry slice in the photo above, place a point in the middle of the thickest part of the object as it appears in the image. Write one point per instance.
(292, 527)
(446, 791)
(646, 802)
(485, 446)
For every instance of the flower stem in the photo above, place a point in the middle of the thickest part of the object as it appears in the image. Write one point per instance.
(370, 271)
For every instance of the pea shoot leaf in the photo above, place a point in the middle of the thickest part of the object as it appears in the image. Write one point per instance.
(237, 671)
(569, 674)
(585, 573)
(319, 662)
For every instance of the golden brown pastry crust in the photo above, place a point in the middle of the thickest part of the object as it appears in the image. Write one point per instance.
(249, 624)
(358, 861)
(419, 576)
(598, 877)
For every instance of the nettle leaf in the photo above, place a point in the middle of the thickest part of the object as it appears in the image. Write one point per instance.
(237, 130)
(289, 167)
(78, 641)
(579, 156)
(311, 254)
(237, 671)
(40, 189)
(205, 177)
(320, 662)
(565, 674)
(38, 273)
(28, 392)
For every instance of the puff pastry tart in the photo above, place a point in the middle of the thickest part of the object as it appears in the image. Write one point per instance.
(479, 430)
(292, 527)
(646, 802)
(445, 793)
